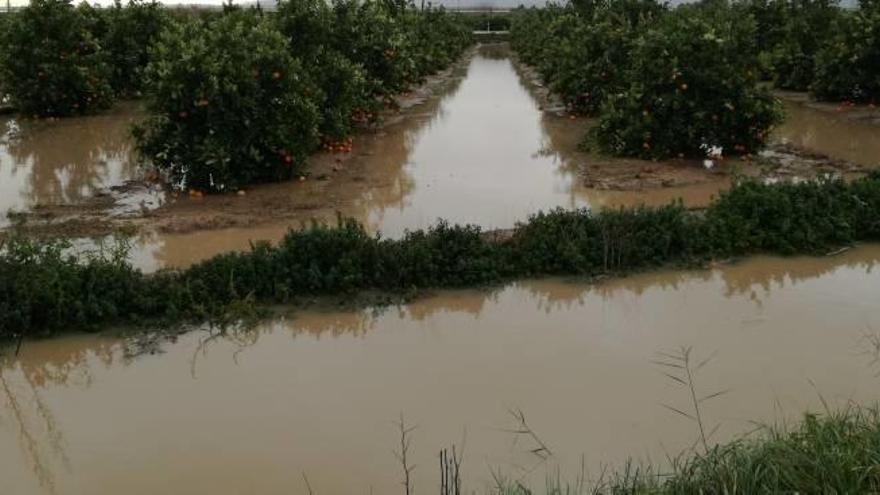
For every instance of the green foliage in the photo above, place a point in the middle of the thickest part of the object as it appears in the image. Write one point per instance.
(770, 20)
(692, 85)
(809, 24)
(52, 64)
(231, 104)
(848, 65)
(42, 291)
(489, 22)
(437, 39)
(823, 454)
(131, 31)
(664, 83)
(342, 83)
(836, 452)
(583, 242)
(240, 98)
(584, 60)
(41, 287)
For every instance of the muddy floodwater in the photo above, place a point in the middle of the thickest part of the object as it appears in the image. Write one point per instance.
(318, 392)
(833, 134)
(315, 395)
(481, 147)
(64, 162)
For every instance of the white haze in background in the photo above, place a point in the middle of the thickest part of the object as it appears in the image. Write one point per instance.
(464, 4)
(470, 4)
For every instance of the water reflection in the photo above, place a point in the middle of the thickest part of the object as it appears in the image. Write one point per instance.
(318, 390)
(52, 162)
(830, 134)
(481, 151)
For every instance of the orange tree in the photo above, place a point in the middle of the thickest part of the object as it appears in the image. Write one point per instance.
(341, 82)
(582, 52)
(692, 84)
(230, 103)
(848, 65)
(372, 34)
(437, 38)
(809, 23)
(51, 64)
(131, 31)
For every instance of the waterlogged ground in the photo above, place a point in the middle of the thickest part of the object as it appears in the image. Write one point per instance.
(315, 395)
(318, 393)
(481, 143)
(82, 162)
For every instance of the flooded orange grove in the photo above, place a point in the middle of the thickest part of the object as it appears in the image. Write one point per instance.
(476, 144)
(317, 393)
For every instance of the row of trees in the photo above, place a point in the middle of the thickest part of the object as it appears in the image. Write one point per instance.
(58, 60)
(665, 83)
(685, 81)
(235, 97)
(814, 45)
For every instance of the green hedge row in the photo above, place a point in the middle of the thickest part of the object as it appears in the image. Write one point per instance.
(43, 291)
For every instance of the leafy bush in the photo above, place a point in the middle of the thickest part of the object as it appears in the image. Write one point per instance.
(371, 34)
(42, 291)
(52, 64)
(809, 23)
(581, 59)
(848, 65)
(239, 98)
(584, 242)
(591, 63)
(692, 85)
(231, 104)
(131, 31)
(342, 83)
(437, 37)
(770, 21)
(41, 288)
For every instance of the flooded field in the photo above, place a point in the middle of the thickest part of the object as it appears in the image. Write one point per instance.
(478, 148)
(315, 395)
(833, 134)
(318, 393)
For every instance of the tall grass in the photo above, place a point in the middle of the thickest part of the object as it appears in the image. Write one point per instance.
(837, 452)
(44, 291)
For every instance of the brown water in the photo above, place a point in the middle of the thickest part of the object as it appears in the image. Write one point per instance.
(63, 162)
(830, 134)
(479, 151)
(318, 393)
(483, 152)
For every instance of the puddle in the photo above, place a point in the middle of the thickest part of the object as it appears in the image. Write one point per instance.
(65, 162)
(318, 393)
(829, 134)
